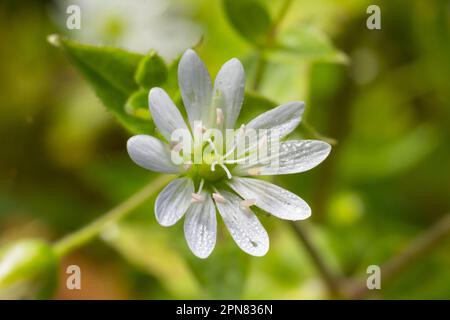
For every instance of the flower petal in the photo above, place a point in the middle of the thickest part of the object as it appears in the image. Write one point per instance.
(280, 120)
(200, 226)
(229, 90)
(244, 226)
(151, 153)
(277, 201)
(195, 85)
(173, 201)
(294, 156)
(165, 114)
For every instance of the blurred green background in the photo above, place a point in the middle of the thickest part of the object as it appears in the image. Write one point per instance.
(384, 95)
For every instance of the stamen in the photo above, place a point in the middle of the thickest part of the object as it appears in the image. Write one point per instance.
(247, 203)
(233, 148)
(200, 186)
(254, 171)
(213, 147)
(242, 129)
(262, 141)
(196, 198)
(175, 146)
(187, 166)
(213, 165)
(224, 167)
(218, 197)
(235, 161)
(219, 116)
(198, 128)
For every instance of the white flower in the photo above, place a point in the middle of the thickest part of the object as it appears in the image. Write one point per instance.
(220, 183)
(136, 25)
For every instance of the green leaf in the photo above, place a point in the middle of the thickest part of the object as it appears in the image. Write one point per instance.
(253, 105)
(250, 19)
(110, 71)
(137, 105)
(151, 72)
(307, 42)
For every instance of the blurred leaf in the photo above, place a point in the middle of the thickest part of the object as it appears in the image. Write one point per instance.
(110, 71)
(390, 159)
(253, 105)
(223, 274)
(28, 270)
(307, 42)
(148, 248)
(151, 72)
(250, 19)
(137, 105)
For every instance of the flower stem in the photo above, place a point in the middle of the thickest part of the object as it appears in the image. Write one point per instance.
(261, 63)
(327, 275)
(90, 231)
(419, 247)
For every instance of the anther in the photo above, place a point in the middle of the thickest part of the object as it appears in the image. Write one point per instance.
(197, 198)
(247, 203)
(219, 116)
(254, 171)
(224, 167)
(175, 146)
(218, 197)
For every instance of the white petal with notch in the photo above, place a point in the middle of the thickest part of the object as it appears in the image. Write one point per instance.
(165, 114)
(281, 120)
(245, 228)
(151, 153)
(173, 201)
(196, 89)
(293, 156)
(200, 226)
(229, 90)
(277, 201)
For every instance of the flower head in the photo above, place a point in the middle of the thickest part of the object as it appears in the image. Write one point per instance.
(213, 173)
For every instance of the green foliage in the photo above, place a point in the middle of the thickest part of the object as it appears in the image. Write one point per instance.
(29, 270)
(137, 105)
(151, 72)
(149, 248)
(111, 72)
(306, 42)
(250, 19)
(253, 105)
(223, 274)
(384, 183)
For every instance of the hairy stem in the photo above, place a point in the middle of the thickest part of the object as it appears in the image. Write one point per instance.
(90, 231)
(419, 247)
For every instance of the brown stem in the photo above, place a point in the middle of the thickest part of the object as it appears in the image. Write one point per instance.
(328, 277)
(415, 251)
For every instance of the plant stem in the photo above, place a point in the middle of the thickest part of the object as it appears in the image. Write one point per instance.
(415, 251)
(261, 66)
(328, 277)
(261, 63)
(90, 231)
